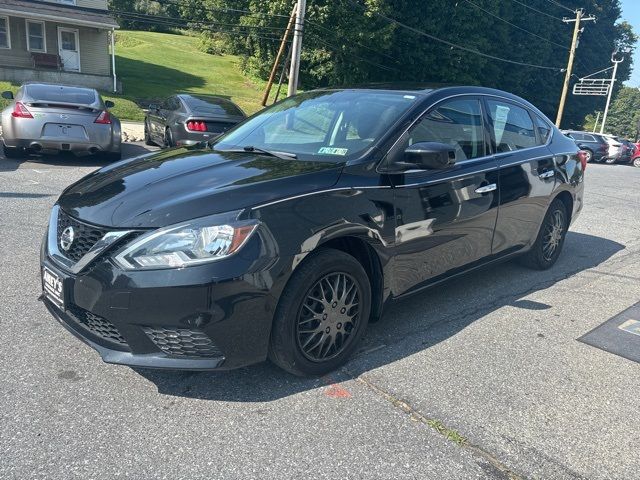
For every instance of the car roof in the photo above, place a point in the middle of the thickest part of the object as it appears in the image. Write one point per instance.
(427, 90)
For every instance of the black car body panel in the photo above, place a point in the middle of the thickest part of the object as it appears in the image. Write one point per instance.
(410, 229)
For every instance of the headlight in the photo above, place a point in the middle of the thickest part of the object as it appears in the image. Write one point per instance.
(186, 244)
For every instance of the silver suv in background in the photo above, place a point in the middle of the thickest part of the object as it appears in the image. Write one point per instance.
(55, 118)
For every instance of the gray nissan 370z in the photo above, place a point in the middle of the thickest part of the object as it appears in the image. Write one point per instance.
(57, 118)
(284, 237)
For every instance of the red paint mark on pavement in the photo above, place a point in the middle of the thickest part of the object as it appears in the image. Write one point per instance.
(335, 390)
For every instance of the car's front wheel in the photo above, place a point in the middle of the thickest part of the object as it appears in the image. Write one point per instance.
(588, 154)
(322, 314)
(636, 162)
(548, 244)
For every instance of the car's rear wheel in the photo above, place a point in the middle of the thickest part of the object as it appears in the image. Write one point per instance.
(14, 152)
(322, 314)
(147, 135)
(548, 244)
(636, 162)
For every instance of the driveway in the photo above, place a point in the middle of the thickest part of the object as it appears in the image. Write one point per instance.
(482, 377)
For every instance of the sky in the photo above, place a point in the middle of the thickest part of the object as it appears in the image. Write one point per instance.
(631, 13)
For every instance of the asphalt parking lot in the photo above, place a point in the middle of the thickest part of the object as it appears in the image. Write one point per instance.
(482, 377)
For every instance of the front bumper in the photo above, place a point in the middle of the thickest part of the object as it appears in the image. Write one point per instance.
(211, 317)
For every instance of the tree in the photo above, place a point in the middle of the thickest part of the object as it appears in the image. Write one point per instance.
(624, 114)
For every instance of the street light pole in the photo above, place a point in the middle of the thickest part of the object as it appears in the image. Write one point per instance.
(613, 81)
(296, 48)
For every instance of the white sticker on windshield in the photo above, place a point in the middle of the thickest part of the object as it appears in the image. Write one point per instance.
(502, 112)
(333, 151)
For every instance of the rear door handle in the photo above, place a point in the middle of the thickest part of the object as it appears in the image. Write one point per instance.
(547, 174)
(487, 188)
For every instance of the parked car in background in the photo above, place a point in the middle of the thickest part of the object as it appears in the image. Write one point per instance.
(635, 158)
(286, 235)
(189, 119)
(615, 149)
(628, 148)
(595, 146)
(57, 118)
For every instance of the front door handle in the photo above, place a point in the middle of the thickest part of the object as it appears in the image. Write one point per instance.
(487, 188)
(547, 174)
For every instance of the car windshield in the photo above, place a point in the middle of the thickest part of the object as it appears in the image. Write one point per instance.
(334, 125)
(60, 94)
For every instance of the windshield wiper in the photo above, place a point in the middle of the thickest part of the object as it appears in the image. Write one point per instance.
(281, 155)
(252, 149)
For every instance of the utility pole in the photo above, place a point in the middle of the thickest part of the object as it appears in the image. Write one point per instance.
(296, 48)
(572, 54)
(276, 62)
(596, 124)
(613, 81)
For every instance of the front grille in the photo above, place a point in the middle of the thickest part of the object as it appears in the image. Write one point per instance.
(85, 236)
(182, 342)
(100, 326)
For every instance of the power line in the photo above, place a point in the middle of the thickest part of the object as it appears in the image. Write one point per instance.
(561, 6)
(536, 10)
(515, 26)
(455, 45)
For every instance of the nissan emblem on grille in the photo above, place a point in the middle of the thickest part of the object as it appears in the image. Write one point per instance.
(66, 239)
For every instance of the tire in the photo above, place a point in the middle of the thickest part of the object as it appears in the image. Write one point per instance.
(636, 162)
(14, 152)
(147, 137)
(168, 138)
(588, 154)
(553, 230)
(309, 336)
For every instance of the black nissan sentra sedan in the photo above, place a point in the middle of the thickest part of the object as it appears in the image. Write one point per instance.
(286, 236)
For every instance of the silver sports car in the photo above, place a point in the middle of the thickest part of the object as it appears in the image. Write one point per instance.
(55, 118)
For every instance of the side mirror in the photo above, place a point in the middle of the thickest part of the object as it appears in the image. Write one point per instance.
(154, 107)
(8, 95)
(108, 104)
(430, 155)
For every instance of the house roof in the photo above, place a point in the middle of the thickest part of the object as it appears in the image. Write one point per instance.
(57, 12)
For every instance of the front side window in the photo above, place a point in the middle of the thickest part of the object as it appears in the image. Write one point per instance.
(512, 126)
(5, 41)
(35, 36)
(457, 123)
(331, 125)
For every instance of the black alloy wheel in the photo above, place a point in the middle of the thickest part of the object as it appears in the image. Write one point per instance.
(322, 314)
(548, 245)
(328, 316)
(168, 138)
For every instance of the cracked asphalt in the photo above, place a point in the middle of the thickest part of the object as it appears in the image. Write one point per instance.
(482, 377)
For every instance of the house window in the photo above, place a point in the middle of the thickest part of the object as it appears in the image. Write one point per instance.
(5, 40)
(35, 36)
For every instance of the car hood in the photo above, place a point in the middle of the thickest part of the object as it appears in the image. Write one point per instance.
(181, 184)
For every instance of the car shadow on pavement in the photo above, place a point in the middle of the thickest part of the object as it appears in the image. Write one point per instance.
(408, 326)
(129, 150)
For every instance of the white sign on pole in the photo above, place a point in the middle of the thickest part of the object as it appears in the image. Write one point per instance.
(592, 86)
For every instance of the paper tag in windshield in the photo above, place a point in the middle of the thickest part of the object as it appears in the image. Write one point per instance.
(333, 151)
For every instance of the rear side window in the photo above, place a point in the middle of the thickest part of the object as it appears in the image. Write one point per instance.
(455, 122)
(577, 136)
(512, 126)
(544, 130)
